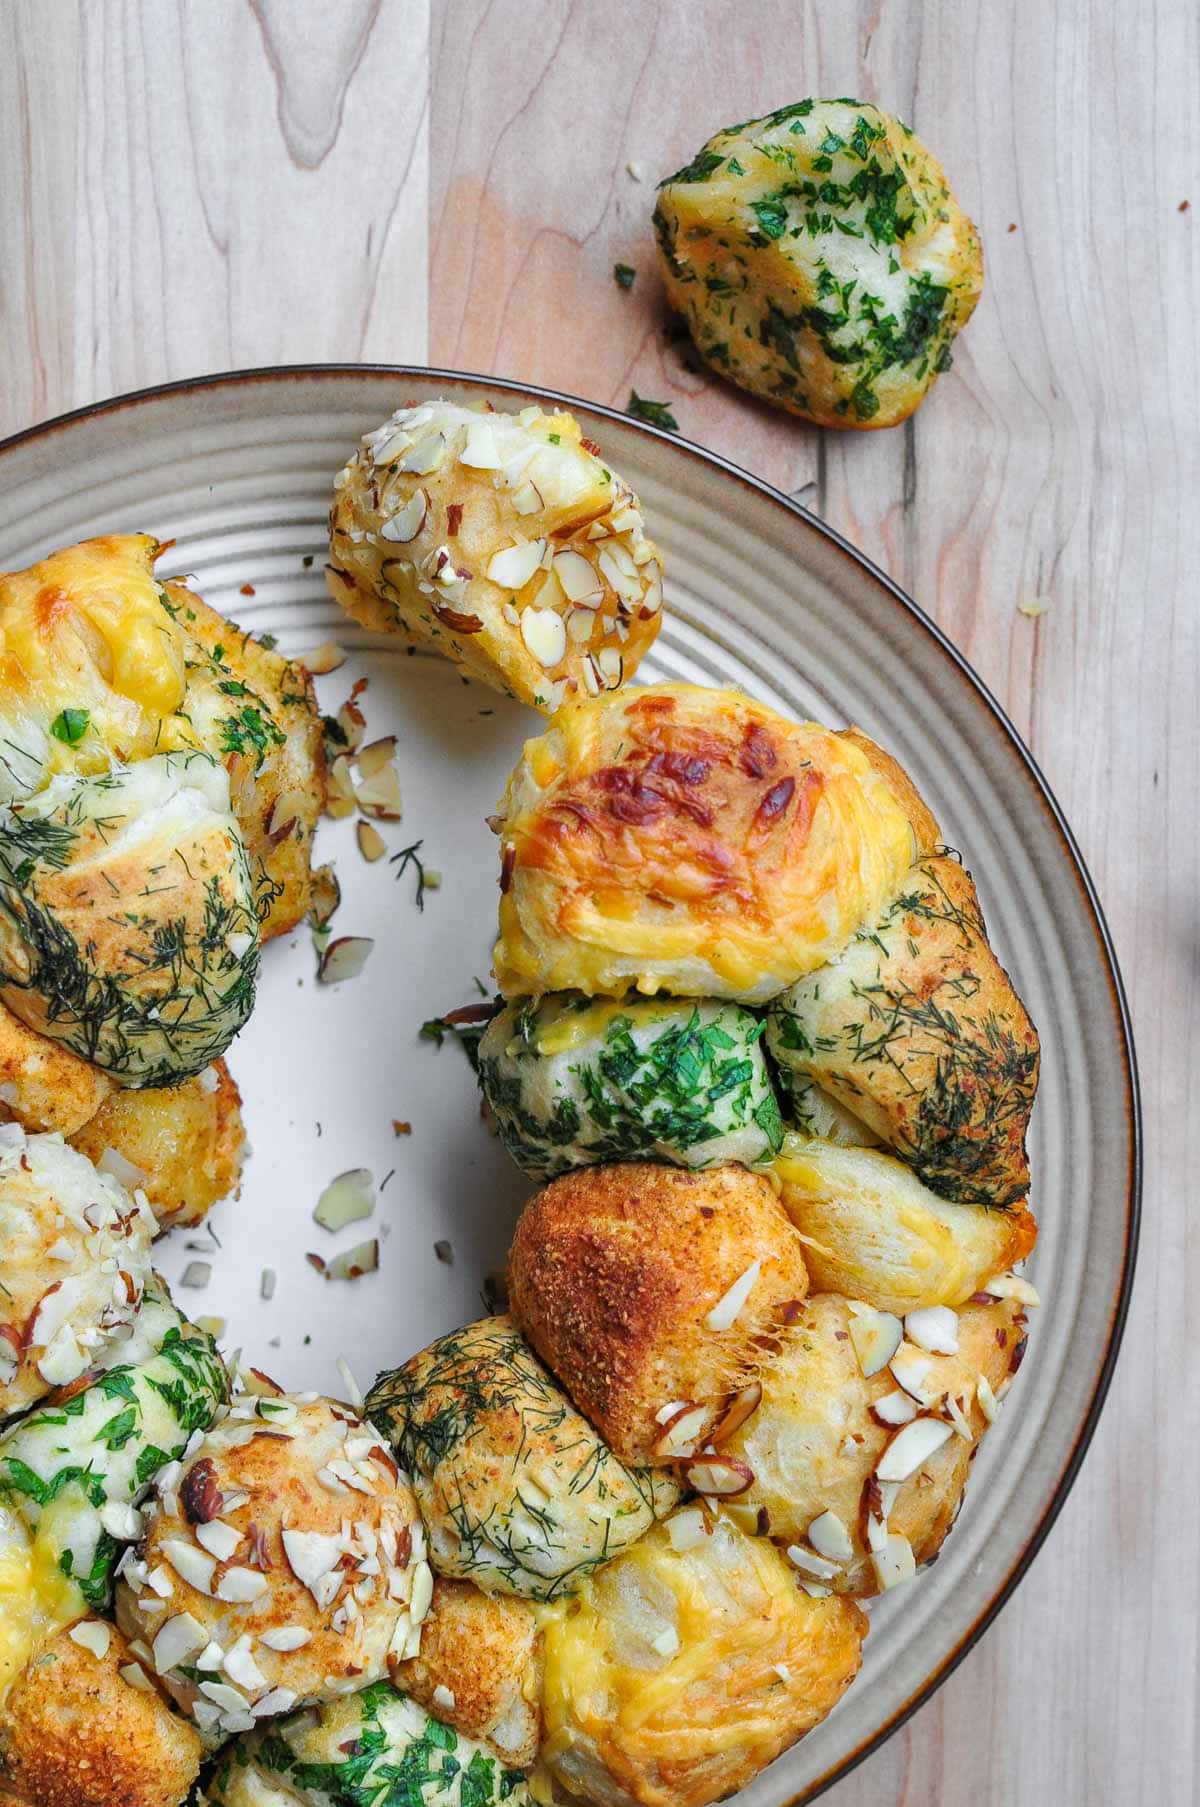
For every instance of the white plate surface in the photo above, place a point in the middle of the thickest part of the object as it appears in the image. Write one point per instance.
(238, 470)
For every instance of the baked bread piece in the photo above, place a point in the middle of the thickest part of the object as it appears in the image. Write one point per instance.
(183, 1144)
(653, 1291)
(504, 542)
(693, 841)
(85, 1727)
(571, 1082)
(43, 1085)
(517, 1491)
(282, 1563)
(75, 1253)
(687, 1665)
(128, 921)
(479, 1669)
(817, 1446)
(375, 1747)
(916, 1029)
(821, 261)
(874, 1232)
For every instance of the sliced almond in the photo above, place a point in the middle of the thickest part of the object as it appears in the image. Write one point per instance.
(817, 1568)
(325, 896)
(722, 1476)
(481, 453)
(218, 1538)
(179, 1639)
(346, 1199)
(895, 1408)
(513, 566)
(285, 1637)
(189, 1562)
(408, 520)
(323, 659)
(375, 755)
(934, 1327)
(686, 1529)
(1012, 1286)
(353, 1263)
(544, 635)
(371, 843)
(241, 1585)
(684, 1431)
(527, 499)
(427, 455)
(724, 1313)
(379, 795)
(893, 1561)
(989, 1405)
(578, 576)
(93, 1635)
(875, 1335)
(911, 1368)
(737, 1409)
(344, 958)
(830, 1538)
(911, 1448)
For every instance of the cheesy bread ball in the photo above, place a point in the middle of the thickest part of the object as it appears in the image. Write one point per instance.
(688, 1665)
(821, 261)
(85, 1727)
(818, 1445)
(101, 664)
(479, 1669)
(43, 1085)
(375, 1747)
(75, 1261)
(649, 1289)
(916, 1029)
(183, 1145)
(571, 1082)
(872, 1231)
(76, 1476)
(503, 541)
(282, 1564)
(155, 989)
(679, 839)
(517, 1491)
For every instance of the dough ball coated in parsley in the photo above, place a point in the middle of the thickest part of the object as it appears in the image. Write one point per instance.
(821, 261)
(128, 921)
(572, 1082)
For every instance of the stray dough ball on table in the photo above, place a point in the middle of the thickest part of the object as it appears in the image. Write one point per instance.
(654, 1294)
(916, 1029)
(874, 1232)
(479, 1669)
(672, 838)
(375, 1747)
(687, 1665)
(503, 541)
(283, 1564)
(153, 996)
(821, 261)
(76, 1258)
(517, 1491)
(861, 1476)
(85, 1727)
(182, 1145)
(42, 1084)
(571, 1082)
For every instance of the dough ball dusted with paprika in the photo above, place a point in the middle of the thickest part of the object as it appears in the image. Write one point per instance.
(688, 1664)
(916, 1030)
(505, 542)
(517, 1491)
(821, 261)
(656, 1295)
(672, 838)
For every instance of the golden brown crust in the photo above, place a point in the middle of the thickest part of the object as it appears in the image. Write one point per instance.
(188, 1141)
(42, 1083)
(814, 1442)
(613, 1273)
(690, 840)
(926, 833)
(918, 1031)
(484, 1651)
(75, 1733)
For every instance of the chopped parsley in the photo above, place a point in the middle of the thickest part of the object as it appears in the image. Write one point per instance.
(70, 726)
(657, 413)
(624, 275)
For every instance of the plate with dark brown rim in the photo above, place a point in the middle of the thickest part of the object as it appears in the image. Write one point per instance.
(237, 470)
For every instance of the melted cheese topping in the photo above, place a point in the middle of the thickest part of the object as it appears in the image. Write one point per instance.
(690, 840)
(36, 1598)
(86, 630)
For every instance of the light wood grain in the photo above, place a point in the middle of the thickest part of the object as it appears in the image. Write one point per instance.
(191, 186)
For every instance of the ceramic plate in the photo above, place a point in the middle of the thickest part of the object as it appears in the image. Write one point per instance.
(237, 470)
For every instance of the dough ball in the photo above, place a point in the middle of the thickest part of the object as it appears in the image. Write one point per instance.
(517, 1491)
(571, 1082)
(649, 1289)
(282, 1564)
(916, 1029)
(688, 1665)
(821, 261)
(479, 1669)
(673, 838)
(504, 542)
(43, 1085)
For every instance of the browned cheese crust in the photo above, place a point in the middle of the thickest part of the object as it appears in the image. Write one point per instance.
(615, 1270)
(75, 1733)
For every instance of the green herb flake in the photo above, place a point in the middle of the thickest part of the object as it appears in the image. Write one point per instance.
(70, 726)
(624, 275)
(657, 413)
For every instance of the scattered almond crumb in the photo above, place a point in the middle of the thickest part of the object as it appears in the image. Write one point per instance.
(1012, 225)
(635, 170)
(401, 1129)
(1183, 206)
(246, 590)
(1033, 606)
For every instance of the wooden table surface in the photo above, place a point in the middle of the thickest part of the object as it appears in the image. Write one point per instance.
(190, 185)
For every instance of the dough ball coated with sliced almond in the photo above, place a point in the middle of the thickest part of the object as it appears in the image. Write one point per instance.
(688, 1664)
(505, 542)
(75, 1259)
(84, 1726)
(859, 1451)
(284, 1563)
(654, 1294)
(479, 1669)
(873, 1232)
